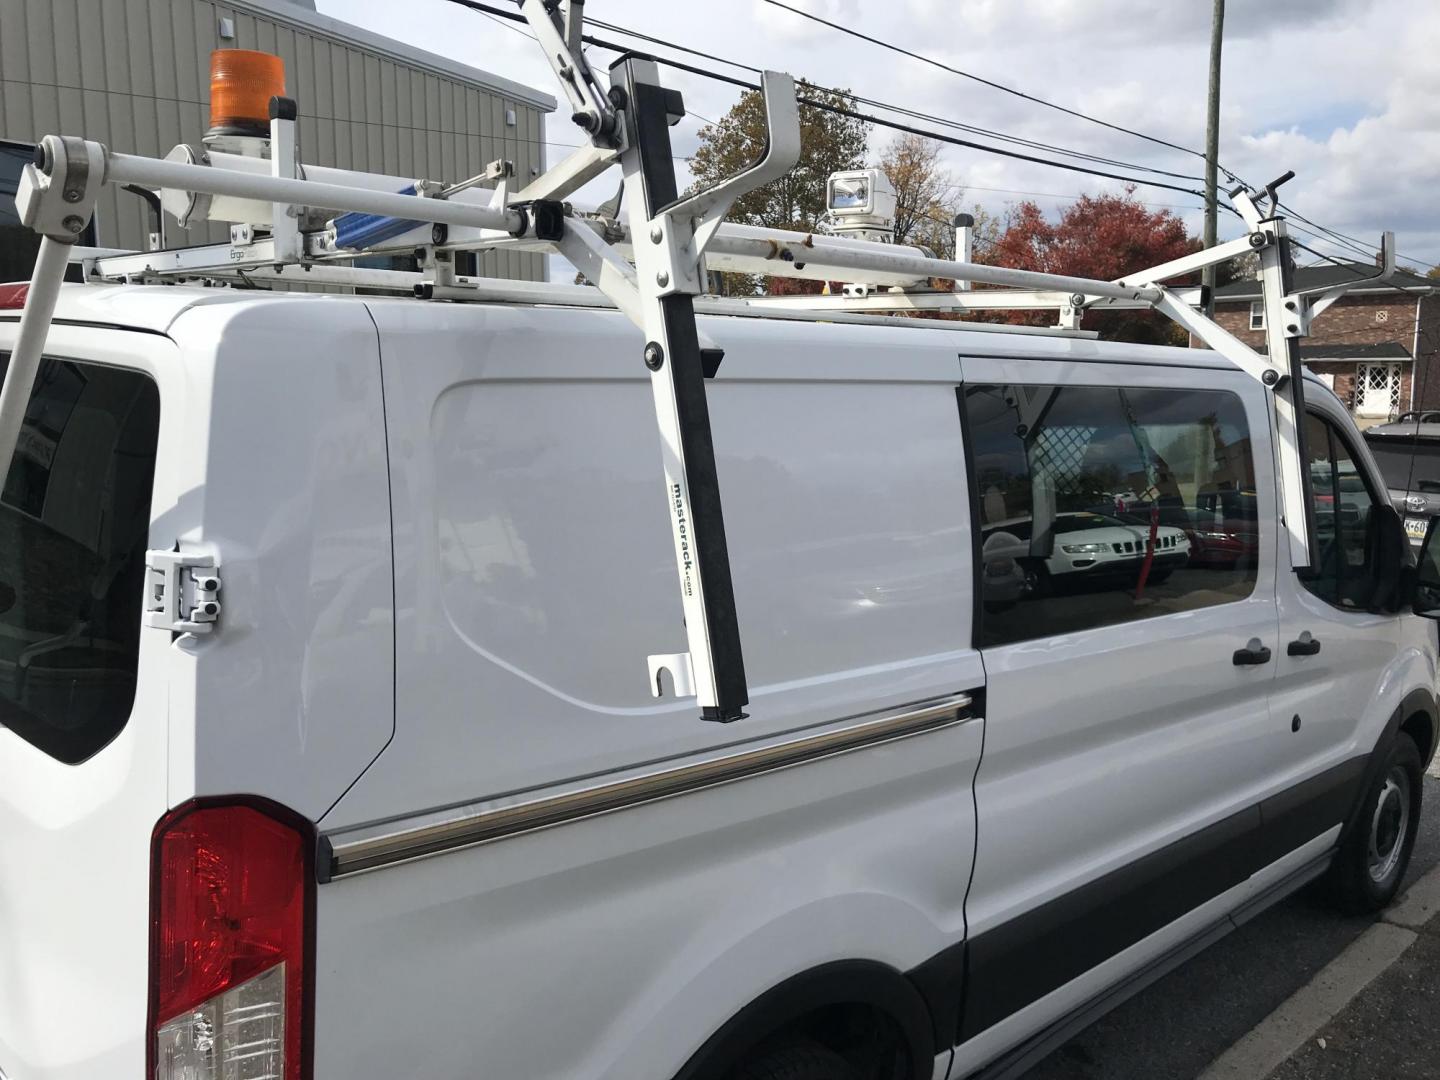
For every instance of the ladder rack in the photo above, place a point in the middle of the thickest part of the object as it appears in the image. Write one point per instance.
(142, 268)
(295, 222)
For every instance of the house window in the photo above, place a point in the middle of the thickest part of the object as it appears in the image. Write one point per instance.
(1257, 315)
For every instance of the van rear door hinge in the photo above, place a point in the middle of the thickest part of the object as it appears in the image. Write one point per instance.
(181, 592)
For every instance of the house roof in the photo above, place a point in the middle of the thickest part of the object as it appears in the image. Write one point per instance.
(1324, 275)
(1384, 350)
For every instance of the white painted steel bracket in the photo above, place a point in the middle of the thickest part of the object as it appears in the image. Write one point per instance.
(182, 592)
(1328, 296)
(677, 665)
(285, 164)
(56, 198)
(687, 226)
(559, 33)
(669, 273)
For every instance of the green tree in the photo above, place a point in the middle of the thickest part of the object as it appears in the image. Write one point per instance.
(829, 142)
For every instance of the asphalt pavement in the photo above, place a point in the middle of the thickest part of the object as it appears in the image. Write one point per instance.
(1177, 1028)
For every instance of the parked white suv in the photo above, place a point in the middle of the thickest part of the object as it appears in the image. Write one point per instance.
(324, 753)
(1094, 548)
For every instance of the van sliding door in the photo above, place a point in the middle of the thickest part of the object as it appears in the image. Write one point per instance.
(1127, 683)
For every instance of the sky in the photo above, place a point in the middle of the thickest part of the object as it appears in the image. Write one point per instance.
(1344, 92)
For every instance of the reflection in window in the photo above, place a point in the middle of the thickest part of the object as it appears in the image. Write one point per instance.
(1342, 517)
(74, 521)
(1101, 505)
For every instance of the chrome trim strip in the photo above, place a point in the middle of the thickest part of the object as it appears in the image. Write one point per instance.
(498, 823)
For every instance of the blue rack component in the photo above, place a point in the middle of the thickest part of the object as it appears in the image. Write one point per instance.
(357, 231)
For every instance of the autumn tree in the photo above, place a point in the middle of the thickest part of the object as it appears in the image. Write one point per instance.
(829, 142)
(1097, 236)
(927, 196)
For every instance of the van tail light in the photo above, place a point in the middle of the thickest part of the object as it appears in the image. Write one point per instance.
(232, 903)
(12, 295)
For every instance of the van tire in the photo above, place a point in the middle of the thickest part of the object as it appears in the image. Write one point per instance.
(1372, 860)
(796, 1059)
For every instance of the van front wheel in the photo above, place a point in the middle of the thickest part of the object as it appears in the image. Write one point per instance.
(1372, 861)
(798, 1059)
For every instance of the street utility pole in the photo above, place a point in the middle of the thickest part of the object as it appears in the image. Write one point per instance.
(1212, 148)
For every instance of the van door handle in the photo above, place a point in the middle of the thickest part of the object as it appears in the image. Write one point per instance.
(1253, 653)
(1304, 645)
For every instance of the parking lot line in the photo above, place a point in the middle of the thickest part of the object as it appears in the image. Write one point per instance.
(1265, 1048)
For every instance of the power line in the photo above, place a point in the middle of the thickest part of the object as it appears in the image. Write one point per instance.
(508, 25)
(1315, 234)
(954, 141)
(478, 5)
(1339, 239)
(671, 45)
(1320, 231)
(1072, 197)
(1015, 139)
(871, 118)
(987, 82)
(1034, 144)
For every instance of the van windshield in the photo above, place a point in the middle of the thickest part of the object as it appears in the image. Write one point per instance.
(74, 518)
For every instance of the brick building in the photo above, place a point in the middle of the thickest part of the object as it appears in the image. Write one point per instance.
(1376, 347)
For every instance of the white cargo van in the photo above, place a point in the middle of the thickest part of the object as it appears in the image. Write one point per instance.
(406, 810)
(352, 723)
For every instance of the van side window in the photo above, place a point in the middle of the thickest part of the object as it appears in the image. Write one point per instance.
(1343, 502)
(1101, 505)
(74, 519)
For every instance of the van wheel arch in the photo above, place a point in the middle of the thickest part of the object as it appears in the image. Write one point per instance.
(1419, 717)
(1420, 725)
(790, 1006)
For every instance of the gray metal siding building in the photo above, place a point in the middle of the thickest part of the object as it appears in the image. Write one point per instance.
(134, 74)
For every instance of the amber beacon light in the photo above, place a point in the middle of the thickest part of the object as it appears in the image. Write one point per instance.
(242, 82)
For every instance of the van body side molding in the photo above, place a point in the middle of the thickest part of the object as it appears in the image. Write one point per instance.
(1018, 962)
(370, 850)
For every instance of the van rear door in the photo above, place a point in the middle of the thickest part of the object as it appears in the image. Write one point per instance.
(82, 706)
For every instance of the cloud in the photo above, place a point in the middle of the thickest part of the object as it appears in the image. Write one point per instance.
(1161, 23)
(1382, 170)
(788, 27)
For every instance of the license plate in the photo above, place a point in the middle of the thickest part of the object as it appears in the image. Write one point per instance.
(1416, 527)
